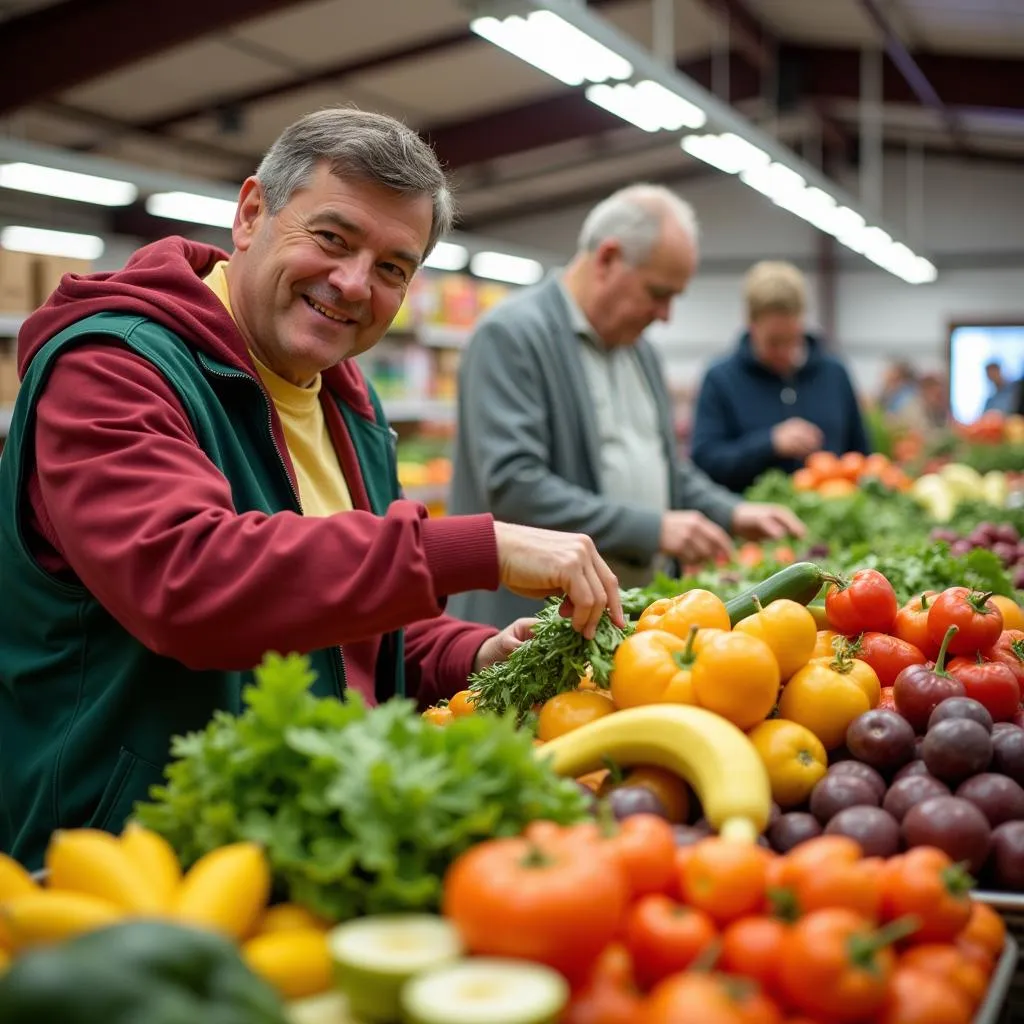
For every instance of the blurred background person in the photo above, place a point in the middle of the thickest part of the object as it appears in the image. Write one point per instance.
(779, 396)
(899, 388)
(1004, 396)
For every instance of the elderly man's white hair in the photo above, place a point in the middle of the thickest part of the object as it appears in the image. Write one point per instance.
(634, 216)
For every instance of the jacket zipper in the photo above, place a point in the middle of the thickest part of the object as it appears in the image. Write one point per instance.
(336, 650)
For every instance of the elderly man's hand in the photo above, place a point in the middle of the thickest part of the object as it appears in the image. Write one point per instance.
(756, 521)
(501, 645)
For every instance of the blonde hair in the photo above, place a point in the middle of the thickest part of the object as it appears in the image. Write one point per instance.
(774, 287)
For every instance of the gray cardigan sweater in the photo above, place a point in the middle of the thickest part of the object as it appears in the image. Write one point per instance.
(527, 450)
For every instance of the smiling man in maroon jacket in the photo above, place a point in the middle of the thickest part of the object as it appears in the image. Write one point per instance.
(197, 472)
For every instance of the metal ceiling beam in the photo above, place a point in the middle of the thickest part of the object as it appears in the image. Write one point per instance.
(52, 49)
(911, 70)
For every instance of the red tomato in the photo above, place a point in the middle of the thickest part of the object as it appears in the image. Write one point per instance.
(664, 937)
(887, 655)
(911, 623)
(642, 844)
(865, 602)
(1009, 650)
(978, 621)
(990, 683)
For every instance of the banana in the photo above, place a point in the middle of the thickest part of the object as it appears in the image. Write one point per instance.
(713, 755)
(155, 858)
(53, 915)
(226, 890)
(85, 860)
(296, 963)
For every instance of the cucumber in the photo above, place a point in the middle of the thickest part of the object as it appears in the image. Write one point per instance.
(375, 956)
(798, 582)
(486, 991)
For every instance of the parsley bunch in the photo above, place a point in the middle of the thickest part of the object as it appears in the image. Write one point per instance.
(360, 810)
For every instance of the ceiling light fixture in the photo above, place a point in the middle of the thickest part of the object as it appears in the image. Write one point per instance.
(576, 46)
(43, 242)
(501, 266)
(189, 206)
(82, 188)
(447, 256)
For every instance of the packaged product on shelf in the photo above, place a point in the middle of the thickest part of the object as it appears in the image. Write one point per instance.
(16, 287)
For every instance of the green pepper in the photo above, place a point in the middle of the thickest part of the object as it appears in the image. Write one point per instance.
(150, 971)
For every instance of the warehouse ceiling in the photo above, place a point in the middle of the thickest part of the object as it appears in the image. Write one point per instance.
(202, 87)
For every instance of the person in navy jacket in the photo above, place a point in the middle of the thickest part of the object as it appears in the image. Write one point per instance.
(779, 396)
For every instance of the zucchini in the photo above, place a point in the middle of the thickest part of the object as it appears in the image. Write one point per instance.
(798, 582)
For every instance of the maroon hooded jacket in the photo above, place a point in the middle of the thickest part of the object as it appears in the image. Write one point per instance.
(122, 499)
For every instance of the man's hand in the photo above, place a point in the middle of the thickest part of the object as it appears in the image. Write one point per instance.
(755, 521)
(501, 645)
(796, 438)
(690, 537)
(538, 563)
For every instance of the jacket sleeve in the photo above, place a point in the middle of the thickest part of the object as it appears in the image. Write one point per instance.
(439, 656)
(146, 522)
(732, 461)
(504, 421)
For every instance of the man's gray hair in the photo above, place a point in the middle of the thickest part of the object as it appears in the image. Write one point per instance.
(634, 216)
(357, 144)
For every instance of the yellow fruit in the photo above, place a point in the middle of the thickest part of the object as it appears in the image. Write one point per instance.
(88, 861)
(288, 917)
(296, 963)
(713, 755)
(225, 890)
(14, 879)
(155, 858)
(795, 758)
(788, 628)
(53, 915)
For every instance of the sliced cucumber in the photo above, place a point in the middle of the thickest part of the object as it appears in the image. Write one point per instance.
(486, 991)
(374, 956)
(329, 1008)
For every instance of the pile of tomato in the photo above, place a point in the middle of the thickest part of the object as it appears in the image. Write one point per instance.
(722, 932)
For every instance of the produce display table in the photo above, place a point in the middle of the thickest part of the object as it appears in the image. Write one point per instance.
(1011, 908)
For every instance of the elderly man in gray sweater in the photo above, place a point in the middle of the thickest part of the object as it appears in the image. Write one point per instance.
(564, 415)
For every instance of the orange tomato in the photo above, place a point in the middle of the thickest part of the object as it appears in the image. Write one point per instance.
(610, 995)
(851, 465)
(725, 879)
(1013, 614)
(463, 703)
(438, 715)
(752, 948)
(823, 644)
(986, 928)
(874, 465)
(914, 996)
(653, 667)
(830, 872)
(642, 845)
(736, 676)
(567, 711)
(948, 962)
(664, 937)
(804, 480)
(680, 614)
(824, 465)
(837, 488)
(925, 883)
(709, 999)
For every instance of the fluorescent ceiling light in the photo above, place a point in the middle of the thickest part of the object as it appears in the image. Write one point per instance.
(447, 256)
(777, 181)
(557, 48)
(218, 213)
(51, 243)
(648, 105)
(83, 188)
(727, 152)
(500, 266)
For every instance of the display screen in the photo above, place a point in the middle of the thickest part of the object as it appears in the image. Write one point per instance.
(971, 348)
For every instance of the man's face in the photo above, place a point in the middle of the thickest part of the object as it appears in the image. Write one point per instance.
(994, 373)
(777, 340)
(323, 278)
(628, 299)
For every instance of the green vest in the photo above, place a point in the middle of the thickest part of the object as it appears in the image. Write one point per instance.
(86, 711)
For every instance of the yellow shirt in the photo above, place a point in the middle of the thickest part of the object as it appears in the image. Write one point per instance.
(322, 487)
